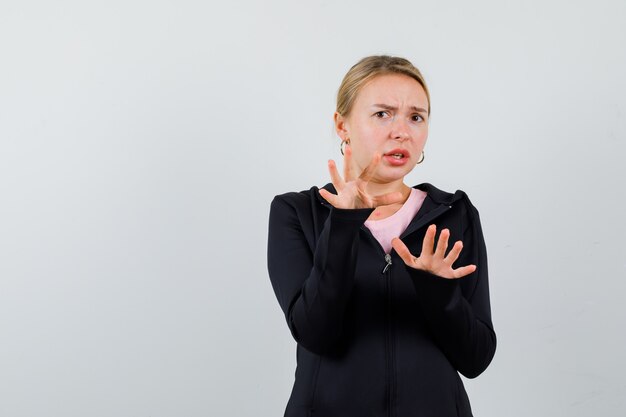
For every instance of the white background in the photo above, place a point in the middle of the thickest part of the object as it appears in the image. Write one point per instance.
(142, 142)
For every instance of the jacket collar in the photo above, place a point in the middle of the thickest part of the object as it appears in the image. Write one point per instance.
(438, 197)
(435, 204)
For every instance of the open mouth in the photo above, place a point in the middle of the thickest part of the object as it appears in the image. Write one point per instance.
(398, 153)
(397, 157)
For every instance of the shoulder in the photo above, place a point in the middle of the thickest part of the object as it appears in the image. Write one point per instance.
(439, 196)
(458, 201)
(302, 211)
(300, 201)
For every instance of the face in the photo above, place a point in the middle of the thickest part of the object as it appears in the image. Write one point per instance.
(389, 116)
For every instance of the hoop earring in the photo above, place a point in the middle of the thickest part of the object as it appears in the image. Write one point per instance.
(341, 145)
(421, 159)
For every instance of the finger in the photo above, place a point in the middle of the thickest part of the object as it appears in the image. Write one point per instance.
(403, 251)
(335, 178)
(347, 164)
(370, 170)
(463, 271)
(442, 244)
(429, 241)
(454, 253)
(387, 199)
(328, 196)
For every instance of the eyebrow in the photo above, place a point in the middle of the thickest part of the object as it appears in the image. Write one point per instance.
(388, 107)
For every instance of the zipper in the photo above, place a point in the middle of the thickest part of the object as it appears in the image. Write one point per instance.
(389, 342)
(388, 262)
(390, 385)
(390, 345)
(389, 337)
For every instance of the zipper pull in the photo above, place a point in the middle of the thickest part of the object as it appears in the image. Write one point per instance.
(388, 264)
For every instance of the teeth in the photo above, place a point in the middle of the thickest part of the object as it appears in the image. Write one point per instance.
(397, 155)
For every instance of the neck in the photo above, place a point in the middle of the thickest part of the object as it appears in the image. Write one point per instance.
(374, 188)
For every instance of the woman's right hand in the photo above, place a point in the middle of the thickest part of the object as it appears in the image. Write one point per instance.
(352, 192)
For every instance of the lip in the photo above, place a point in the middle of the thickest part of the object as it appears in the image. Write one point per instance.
(404, 152)
(387, 156)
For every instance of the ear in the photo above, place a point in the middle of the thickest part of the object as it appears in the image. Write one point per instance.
(341, 126)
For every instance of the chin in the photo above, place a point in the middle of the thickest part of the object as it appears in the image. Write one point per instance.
(393, 176)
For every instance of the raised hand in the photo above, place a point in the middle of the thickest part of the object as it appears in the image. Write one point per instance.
(351, 191)
(434, 260)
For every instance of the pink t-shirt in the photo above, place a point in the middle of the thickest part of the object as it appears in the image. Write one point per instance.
(386, 229)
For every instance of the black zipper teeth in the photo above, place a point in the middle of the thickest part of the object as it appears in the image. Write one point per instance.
(390, 345)
(392, 349)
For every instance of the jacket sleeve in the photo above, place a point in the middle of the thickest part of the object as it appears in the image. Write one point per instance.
(313, 286)
(458, 311)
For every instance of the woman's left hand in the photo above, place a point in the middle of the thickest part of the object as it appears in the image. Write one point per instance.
(434, 260)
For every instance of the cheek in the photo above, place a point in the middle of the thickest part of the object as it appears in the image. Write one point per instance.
(365, 143)
(369, 135)
(421, 135)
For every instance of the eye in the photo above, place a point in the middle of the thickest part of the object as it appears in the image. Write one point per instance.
(381, 114)
(417, 118)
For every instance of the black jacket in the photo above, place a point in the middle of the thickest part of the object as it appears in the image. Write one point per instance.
(376, 338)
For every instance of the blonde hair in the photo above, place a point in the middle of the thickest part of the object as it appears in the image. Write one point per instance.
(368, 68)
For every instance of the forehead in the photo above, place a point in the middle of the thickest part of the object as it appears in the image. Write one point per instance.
(393, 89)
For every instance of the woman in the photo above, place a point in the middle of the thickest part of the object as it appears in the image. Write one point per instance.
(385, 313)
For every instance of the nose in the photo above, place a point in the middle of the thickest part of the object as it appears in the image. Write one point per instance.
(400, 129)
